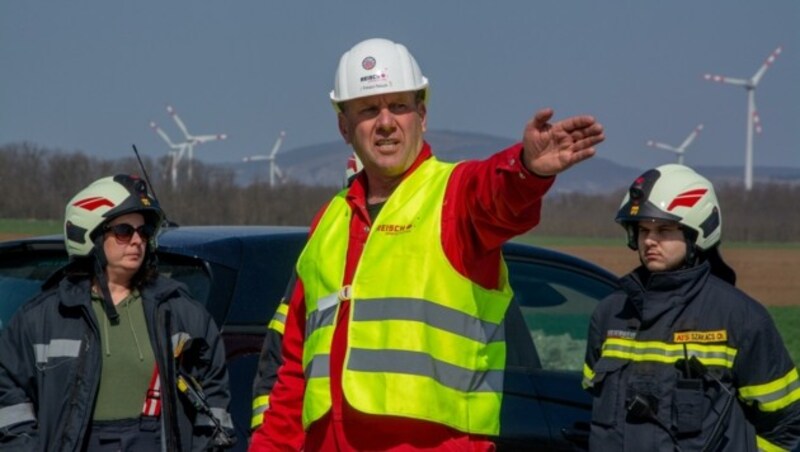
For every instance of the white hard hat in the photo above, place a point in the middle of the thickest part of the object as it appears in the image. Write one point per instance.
(677, 193)
(376, 66)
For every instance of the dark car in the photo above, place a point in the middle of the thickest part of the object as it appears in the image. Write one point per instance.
(240, 274)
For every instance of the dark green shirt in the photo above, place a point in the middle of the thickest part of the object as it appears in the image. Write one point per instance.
(127, 363)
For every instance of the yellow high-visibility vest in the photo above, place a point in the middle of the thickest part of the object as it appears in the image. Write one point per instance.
(424, 342)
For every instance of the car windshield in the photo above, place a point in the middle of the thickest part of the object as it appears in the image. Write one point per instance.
(23, 273)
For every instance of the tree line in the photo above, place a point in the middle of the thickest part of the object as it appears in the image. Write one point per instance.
(36, 183)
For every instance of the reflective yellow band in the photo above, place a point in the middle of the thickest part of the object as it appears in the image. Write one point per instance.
(588, 376)
(766, 446)
(278, 322)
(260, 401)
(662, 352)
(774, 395)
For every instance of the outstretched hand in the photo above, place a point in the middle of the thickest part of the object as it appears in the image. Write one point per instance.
(549, 149)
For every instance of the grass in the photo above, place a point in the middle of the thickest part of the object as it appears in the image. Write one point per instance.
(787, 318)
(30, 227)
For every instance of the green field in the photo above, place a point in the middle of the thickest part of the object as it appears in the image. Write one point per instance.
(30, 227)
(787, 318)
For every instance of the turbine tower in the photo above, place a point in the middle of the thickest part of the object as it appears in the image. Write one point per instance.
(192, 140)
(275, 172)
(753, 121)
(176, 152)
(680, 150)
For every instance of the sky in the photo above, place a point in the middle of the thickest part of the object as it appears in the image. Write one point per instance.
(90, 75)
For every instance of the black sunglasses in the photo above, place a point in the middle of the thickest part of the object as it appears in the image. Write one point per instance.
(123, 232)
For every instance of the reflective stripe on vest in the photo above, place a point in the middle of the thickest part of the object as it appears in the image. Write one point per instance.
(421, 336)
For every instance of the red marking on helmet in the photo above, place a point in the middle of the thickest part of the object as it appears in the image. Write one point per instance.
(687, 198)
(93, 203)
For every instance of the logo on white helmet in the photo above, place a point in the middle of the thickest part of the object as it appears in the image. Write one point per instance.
(368, 63)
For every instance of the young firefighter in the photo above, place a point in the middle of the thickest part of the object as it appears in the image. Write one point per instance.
(679, 358)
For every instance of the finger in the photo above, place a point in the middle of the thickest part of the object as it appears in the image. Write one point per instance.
(577, 123)
(588, 142)
(592, 130)
(542, 116)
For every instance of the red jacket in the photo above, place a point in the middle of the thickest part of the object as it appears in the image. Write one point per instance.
(486, 203)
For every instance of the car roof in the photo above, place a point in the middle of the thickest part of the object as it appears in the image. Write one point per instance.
(222, 244)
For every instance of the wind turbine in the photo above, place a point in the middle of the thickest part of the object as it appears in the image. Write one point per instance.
(176, 152)
(753, 121)
(192, 140)
(274, 170)
(680, 150)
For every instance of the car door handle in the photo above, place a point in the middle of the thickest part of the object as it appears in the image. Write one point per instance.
(578, 434)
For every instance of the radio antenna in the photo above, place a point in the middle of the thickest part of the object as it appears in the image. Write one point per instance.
(144, 171)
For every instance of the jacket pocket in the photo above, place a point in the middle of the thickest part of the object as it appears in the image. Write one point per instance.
(689, 407)
(607, 391)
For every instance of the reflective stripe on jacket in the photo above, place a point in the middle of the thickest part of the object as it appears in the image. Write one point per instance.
(418, 340)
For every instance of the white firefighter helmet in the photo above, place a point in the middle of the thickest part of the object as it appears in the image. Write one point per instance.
(673, 192)
(102, 201)
(376, 66)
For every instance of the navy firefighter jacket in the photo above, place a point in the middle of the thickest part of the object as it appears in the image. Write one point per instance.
(683, 360)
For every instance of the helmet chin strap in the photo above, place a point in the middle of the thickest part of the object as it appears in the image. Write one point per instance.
(692, 256)
(100, 263)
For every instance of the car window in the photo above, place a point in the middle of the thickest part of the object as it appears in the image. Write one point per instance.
(188, 271)
(23, 273)
(556, 304)
(21, 277)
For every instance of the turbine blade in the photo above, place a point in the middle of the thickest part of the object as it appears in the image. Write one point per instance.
(277, 145)
(666, 147)
(206, 138)
(162, 134)
(756, 121)
(254, 158)
(178, 121)
(767, 63)
(691, 137)
(728, 80)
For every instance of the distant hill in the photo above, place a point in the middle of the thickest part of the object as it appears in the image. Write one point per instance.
(323, 164)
